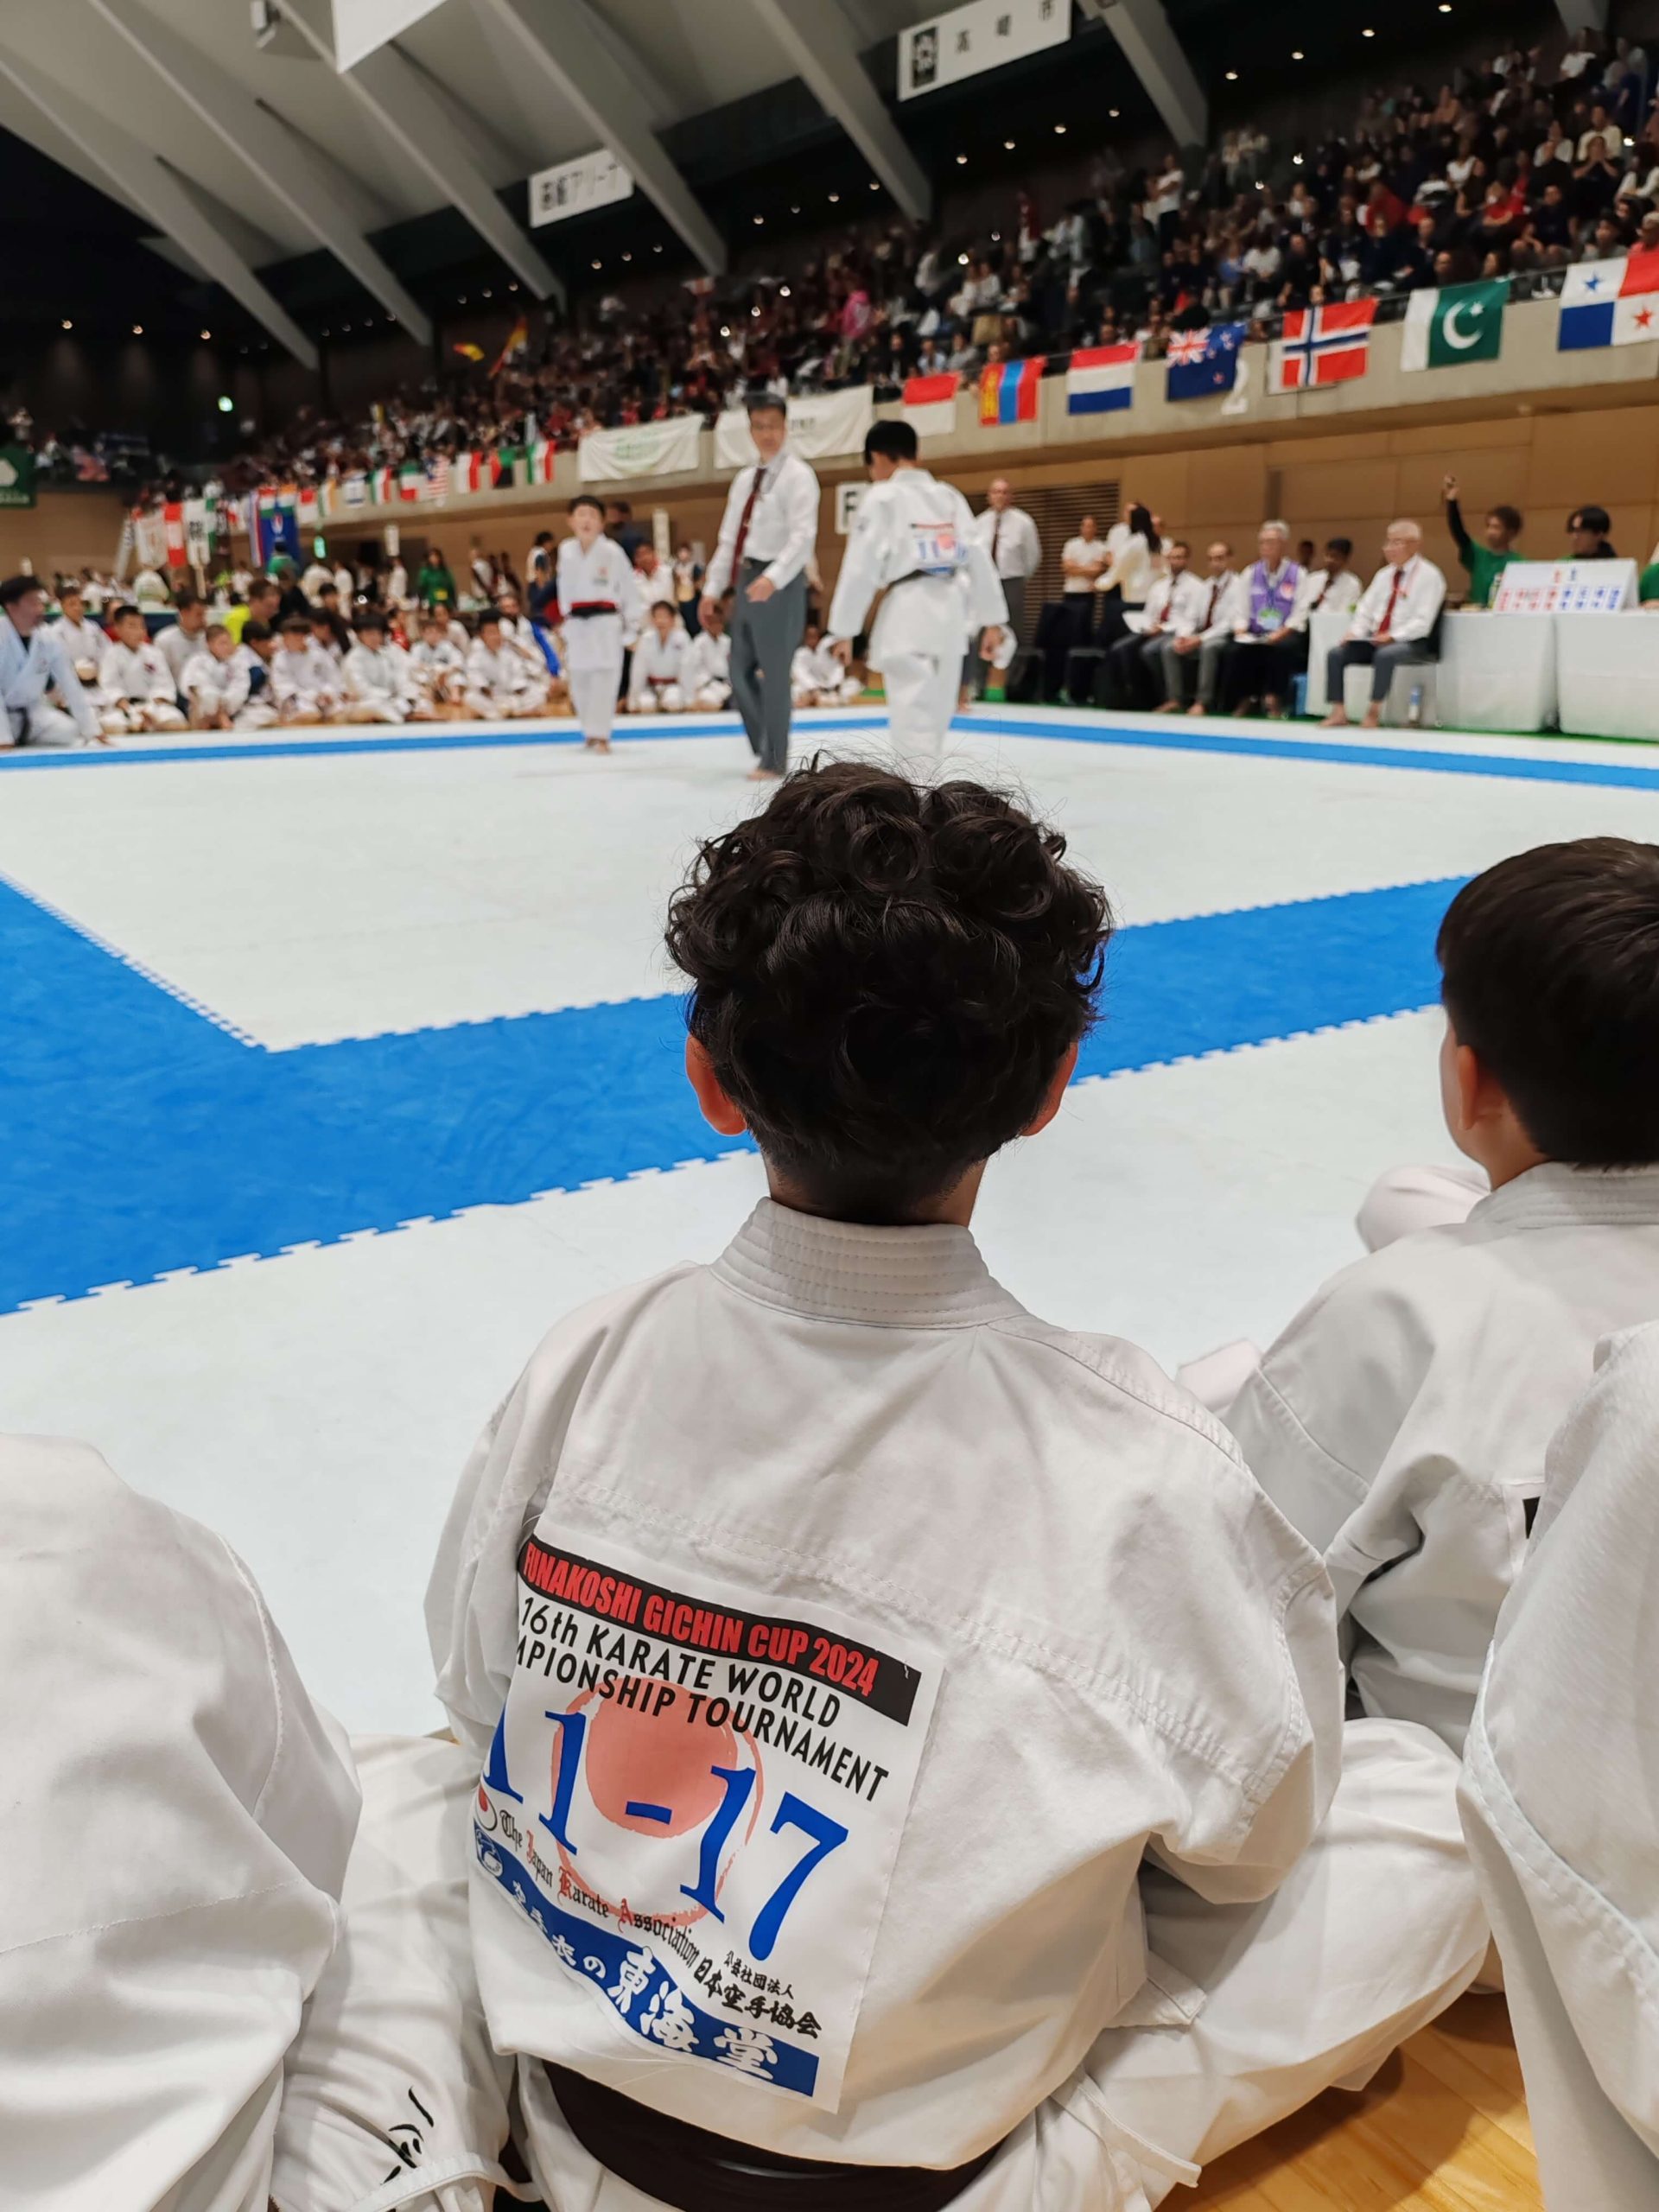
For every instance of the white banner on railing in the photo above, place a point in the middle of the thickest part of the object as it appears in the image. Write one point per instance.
(820, 425)
(669, 448)
(981, 35)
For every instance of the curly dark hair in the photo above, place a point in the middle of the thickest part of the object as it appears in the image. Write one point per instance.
(886, 977)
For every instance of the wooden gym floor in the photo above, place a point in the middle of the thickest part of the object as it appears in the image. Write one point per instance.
(1443, 2128)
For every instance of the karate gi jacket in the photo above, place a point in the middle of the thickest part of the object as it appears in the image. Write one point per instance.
(862, 1633)
(914, 532)
(1401, 1420)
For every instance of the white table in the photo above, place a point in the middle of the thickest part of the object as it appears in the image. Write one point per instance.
(1497, 671)
(1324, 632)
(1607, 667)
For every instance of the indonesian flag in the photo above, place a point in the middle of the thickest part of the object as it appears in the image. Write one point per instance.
(1323, 346)
(475, 472)
(931, 404)
(544, 460)
(172, 524)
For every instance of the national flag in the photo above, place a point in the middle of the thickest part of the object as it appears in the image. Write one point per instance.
(411, 479)
(1461, 322)
(355, 489)
(173, 524)
(383, 486)
(1323, 346)
(1609, 303)
(544, 460)
(1100, 378)
(518, 340)
(437, 478)
(513, 466)
(468, 351)
(310, 512)
(1009, 390)
(474, 471)
(931, 404)
(1204, 362)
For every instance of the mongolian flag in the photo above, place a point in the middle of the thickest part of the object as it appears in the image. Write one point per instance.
(1009, 390)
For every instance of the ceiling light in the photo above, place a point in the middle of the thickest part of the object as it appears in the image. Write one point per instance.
(1114, 112)
(876, 184)
(226, 404)
(656, 249)
(962, 160)
(1297, 54)
(962, 261)
(463, 302)
(1232, 76)
(627, 257)
(725, 330)
(489, 295)
(1008, 145)
(783, 291)
(599, 264)
(207, 337)
(137, 329)
(755, 312)
(344, 325)
(759, 220)
(1060, 131)
(1297, 159)
(326, 333)
(796, 209)
(1367, 34)
(834, 197)
(513, 286)
(67, 324)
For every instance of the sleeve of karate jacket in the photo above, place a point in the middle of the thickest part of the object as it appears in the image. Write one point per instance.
(69, 687)
(988, 603)
(863, 568)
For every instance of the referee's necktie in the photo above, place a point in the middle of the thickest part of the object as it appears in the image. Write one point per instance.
(755, 488)
(996, 537)
(1385, 628)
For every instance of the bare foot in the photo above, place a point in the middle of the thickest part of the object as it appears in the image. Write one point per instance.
(1170, 707)
(764, 776)
(1373, 718)
(1196, 708)
(1337, 718)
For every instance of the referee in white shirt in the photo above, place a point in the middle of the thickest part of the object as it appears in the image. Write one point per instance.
(1009, 536)
(770, 528)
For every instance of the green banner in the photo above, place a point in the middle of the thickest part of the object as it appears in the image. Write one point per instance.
(16, 477)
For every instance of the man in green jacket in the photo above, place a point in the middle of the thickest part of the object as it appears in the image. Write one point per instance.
(1485, 561)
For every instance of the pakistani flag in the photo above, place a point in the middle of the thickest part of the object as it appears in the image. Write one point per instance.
(1465, 322)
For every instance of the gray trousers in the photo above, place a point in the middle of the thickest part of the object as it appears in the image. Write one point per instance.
(1205, 664)
(979, 672)
(1384, 661)
(764, 639)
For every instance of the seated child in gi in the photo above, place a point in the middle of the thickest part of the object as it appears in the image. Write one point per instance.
(829, 1641)
(1400, 1421)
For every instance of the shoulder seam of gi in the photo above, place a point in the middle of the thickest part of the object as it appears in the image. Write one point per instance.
(272, 1676)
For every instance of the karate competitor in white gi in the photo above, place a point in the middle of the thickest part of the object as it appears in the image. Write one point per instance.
(174, 1833)
(215, 682)
(84, 641)
(601, 609)
(501, 685)
(1400, 1421)
(657, 678)
(439, 668)
(894, 1732)
(376, 678)
(32, 662)
(708, 664)
(817, 679)
(914, 538)
(136, 691)
(304, 679)
(1559, 1789)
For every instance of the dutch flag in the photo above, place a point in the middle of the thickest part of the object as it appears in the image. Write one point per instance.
(1100, 379)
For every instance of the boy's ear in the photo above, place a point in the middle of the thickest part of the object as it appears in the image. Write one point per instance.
(717, 1108)
(1054, 1093)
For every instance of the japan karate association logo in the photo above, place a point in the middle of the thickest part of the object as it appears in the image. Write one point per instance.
(923, 59)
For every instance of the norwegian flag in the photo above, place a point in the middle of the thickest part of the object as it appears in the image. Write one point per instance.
(1323, 346)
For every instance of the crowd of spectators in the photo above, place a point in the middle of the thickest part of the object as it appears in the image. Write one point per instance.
(1517, 168)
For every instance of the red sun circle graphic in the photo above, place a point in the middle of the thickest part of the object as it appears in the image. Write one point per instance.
(638, 1757)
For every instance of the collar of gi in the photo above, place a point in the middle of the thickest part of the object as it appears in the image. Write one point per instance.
(930, 1277)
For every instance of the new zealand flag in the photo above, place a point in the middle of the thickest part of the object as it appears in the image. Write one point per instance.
(1204, 362)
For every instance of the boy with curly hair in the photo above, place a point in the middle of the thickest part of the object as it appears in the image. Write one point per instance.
(900, 1760)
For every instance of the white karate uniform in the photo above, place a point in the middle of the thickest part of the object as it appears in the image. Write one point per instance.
(709, 671)
(1400, 1421)
(594, 644)
(378, 683)
(501, 684)
(976, 1702)
(29, 667)
(174, 1829)
(177, 645)
(816, 679)
(304, 683)
(136, 690)
(439, 672)
(260, 712)
(915, 533)
(657, 678)
(85, 645)
(211, 685)
(1558, 1790)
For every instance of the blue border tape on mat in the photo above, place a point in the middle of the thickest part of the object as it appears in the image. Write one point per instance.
(142, 1138)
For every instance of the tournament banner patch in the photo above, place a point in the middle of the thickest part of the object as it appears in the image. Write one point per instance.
(697, 1803)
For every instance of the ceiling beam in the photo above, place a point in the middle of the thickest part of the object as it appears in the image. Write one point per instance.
(1158, 59)
(822, 45)
(397, 96)
(257, 137)
(557, 39)
(147, 182)
(1584, 15)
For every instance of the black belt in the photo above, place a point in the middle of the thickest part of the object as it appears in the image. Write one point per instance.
(590, 609)
(694, 2171)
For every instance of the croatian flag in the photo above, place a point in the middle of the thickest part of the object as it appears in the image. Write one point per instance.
(1323, 346)
(1100, 379)
(931, 404)
(1204, 362)
(1609, 303)
(1008, 393)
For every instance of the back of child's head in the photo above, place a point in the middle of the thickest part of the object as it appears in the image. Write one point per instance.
(1551, 966)
(886, 978)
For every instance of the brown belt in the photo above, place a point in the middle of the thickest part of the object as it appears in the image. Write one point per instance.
(696, 2172)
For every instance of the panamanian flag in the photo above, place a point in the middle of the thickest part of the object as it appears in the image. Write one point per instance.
(1323, 346)
(1008, 391)
(1100, 378)
(1609, 303)
(1204, 362)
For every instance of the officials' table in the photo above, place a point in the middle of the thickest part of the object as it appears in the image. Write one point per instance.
(1324, 632)
(1497, 671)
(1607, 670)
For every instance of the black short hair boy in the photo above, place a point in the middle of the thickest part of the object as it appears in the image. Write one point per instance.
(886, 979)
(1551, 967)
(894, 440)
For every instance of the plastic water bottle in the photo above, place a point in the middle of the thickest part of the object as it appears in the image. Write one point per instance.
(1414, 718)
